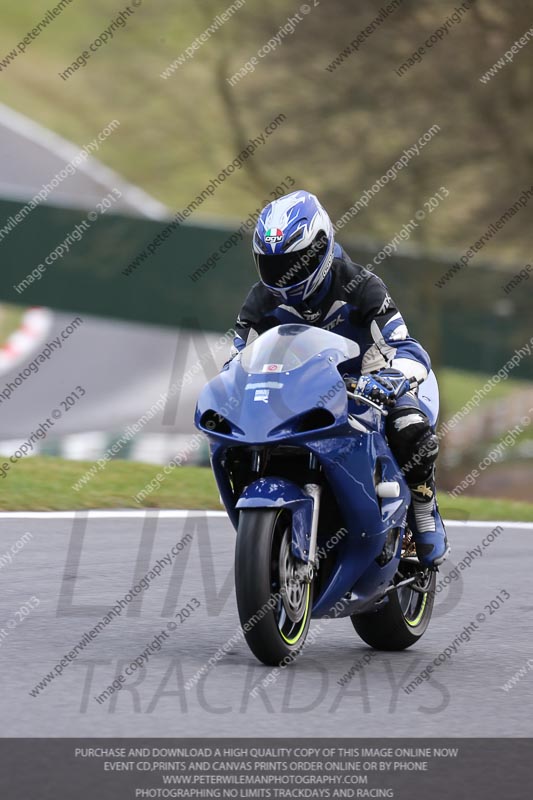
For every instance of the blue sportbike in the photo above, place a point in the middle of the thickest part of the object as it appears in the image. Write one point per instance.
(318, 501)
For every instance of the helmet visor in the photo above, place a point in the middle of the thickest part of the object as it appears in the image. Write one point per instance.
(288, 269)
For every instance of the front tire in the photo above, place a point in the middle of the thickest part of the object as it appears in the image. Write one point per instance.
(402, 621)
(274, 603)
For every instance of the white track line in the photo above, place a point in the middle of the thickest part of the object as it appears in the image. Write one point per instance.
(183, 514)
(65, 151)
(127, 514)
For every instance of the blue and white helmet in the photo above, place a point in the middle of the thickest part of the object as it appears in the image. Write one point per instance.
(293, 246)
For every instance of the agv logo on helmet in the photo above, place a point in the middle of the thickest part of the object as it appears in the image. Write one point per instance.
(273, 236)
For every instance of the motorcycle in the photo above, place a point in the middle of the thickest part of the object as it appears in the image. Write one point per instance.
(315, 495)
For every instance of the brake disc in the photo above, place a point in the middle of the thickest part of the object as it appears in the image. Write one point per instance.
(292, 587)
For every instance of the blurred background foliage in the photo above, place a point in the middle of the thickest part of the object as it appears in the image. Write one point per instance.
(345, 128)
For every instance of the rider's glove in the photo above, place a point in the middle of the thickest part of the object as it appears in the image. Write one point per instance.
(384, 387)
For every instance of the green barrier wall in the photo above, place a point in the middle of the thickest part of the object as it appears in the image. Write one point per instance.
(470, 324)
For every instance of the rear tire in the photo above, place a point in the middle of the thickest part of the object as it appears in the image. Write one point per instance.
(274, 606)
(401, 622)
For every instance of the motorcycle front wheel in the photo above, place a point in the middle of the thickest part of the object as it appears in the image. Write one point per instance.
(274, 590)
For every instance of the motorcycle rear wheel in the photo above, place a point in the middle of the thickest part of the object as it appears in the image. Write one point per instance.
(274, 604)
(401, 622)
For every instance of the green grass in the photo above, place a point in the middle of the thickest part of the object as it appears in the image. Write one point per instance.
(482, 508)
(457, 387)
(45, 484)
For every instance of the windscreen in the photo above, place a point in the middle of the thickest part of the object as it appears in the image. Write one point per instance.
(288, 347)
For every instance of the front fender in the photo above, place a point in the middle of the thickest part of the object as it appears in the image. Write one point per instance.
(280, 493)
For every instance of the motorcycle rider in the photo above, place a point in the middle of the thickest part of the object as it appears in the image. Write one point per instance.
(307, 278)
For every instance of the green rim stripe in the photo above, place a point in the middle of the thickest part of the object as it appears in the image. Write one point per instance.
(413, 623)
(304, 620)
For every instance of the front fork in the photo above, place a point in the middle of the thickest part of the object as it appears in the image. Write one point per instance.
(313, 490)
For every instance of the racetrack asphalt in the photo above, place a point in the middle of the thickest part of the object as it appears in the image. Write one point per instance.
(78, 566)
(124, 369)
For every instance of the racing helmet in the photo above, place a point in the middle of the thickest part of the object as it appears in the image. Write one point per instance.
(293, 246)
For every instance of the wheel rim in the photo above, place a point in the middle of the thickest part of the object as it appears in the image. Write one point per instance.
(293, 605)
(413, 605)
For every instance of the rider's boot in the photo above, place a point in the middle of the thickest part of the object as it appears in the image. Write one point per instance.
(426, 524)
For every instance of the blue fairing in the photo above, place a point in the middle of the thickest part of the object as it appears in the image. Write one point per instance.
(268, 396)
(280, 493)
